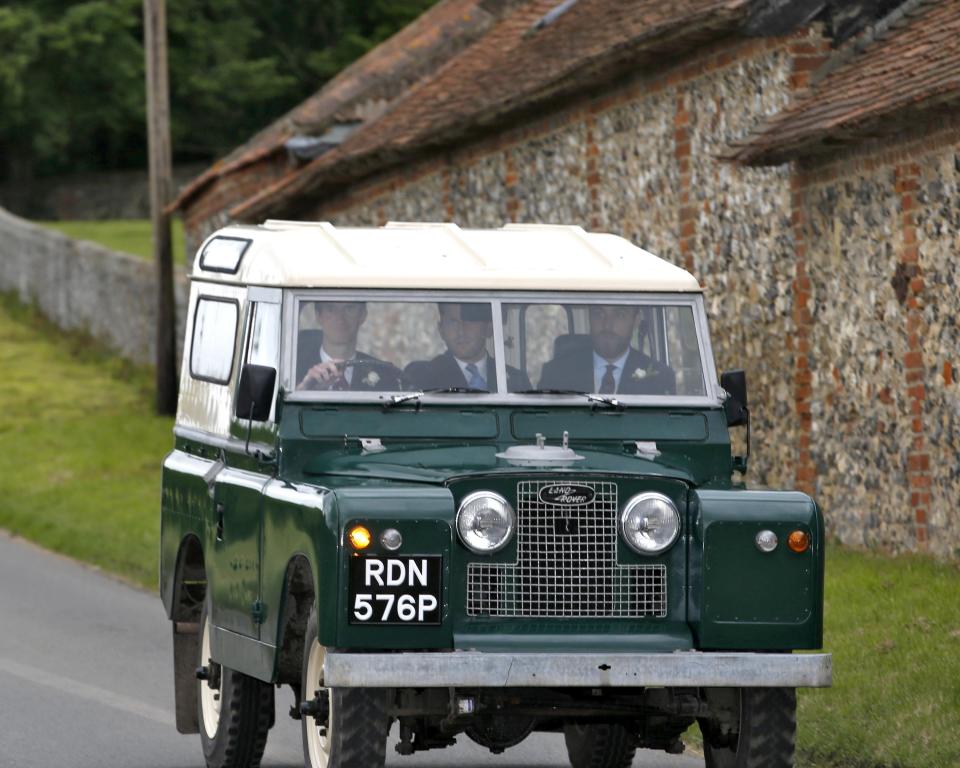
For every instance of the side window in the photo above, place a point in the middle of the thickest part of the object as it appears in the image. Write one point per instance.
(262, 346)
(214, 337)
(263, 342)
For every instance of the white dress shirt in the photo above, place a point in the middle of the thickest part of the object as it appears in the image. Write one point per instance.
(347, 373)
(600, 370)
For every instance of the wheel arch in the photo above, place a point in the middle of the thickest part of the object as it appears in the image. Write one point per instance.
(186, 605)
(297, 600)
(189, 581)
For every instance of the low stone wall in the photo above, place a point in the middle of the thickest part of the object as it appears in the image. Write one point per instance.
(88, 196)
(84, 286)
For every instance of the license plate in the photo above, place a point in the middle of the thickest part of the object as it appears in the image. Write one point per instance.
(395, 590)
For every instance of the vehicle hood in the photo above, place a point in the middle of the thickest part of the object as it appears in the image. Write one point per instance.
(439, 464)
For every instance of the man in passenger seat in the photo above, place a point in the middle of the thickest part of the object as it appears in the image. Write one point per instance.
(465, 329)
(609, 364)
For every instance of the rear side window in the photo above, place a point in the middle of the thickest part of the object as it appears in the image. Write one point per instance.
(214, 336)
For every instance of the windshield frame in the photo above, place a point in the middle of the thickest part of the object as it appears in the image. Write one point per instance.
(292, 298)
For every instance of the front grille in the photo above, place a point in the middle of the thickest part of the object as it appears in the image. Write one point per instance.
(566, 564)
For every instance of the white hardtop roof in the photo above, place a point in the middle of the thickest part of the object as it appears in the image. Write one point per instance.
(433, 255)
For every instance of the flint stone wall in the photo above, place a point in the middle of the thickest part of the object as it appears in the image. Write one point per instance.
(742, 250)
(809, 285)
(883, 226)
(82, 286)
(859, 414)
(636, 159)
(938, 234)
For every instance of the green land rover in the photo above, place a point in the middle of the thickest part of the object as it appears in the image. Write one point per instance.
(473, 482)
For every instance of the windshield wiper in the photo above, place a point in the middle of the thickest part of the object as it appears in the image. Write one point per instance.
(609, 402)
(604, 400)
(407, 397)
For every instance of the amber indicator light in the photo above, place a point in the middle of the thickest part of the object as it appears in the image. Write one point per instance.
(799, 541)
(359, 537)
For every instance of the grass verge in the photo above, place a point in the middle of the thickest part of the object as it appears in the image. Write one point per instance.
(80, 474)
(893, 626)
(132, 236)
(80, 465)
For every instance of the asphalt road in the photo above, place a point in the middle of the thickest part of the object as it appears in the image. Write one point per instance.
(86, 682)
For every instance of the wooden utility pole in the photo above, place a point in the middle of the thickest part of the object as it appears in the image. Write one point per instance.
(161, 187)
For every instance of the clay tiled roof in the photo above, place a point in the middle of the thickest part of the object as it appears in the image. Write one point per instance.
(362, 90)
(524, 61)
(911, 60)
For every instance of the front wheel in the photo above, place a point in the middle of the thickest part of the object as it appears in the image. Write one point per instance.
(765, 735)
(599, 745)
(342, 727)
(236, 711)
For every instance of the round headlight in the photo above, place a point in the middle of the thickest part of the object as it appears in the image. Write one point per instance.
(650, 523)
(485, 522)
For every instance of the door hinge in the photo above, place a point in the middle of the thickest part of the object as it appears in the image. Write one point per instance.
(259, 612)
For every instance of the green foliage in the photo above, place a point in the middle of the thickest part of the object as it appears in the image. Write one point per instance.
(225, 84)
(20, 43)
(75, 82)
(94, 90)
(72, 94)
(354, 28)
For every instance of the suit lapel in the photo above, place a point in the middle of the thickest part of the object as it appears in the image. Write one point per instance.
(451, 370)
(629, 385)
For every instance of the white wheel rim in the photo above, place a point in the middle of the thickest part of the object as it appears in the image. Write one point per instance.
(318, 746)
(209, 697)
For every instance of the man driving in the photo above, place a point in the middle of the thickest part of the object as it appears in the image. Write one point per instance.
(340, 366)
(465, 329)
(609, 365)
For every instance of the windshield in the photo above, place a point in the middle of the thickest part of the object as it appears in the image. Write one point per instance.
(621, 347)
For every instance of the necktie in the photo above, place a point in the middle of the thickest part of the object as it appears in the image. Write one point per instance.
(476, 381)
(608, 384)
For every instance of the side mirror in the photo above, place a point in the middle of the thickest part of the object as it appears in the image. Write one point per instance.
(735, 406)
(255, 393)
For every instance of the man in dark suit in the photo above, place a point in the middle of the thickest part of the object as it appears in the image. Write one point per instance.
(609, 365)
(465, 329)
(340, 366)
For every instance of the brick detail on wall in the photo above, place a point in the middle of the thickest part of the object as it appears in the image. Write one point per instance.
(909, 285)
(808, 52)
(687, 218)
(805, 471)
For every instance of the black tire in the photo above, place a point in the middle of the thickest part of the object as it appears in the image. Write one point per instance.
(237, 736)
(768, 732)
(354, 734)
(599, 745)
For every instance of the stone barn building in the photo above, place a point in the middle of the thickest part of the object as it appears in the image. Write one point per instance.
(801, 157)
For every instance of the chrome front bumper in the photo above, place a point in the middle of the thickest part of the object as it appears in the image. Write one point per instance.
(683, 669)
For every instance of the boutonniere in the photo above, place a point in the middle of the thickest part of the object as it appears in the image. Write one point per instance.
(640, 374)
(371, 379)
